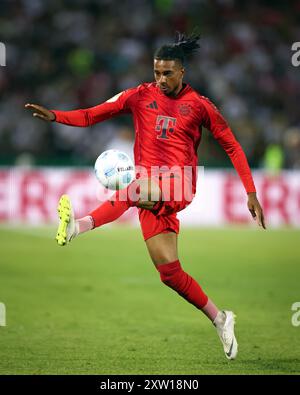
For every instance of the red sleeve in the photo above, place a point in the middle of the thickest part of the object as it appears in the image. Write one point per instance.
(119, 104)
(214, 121)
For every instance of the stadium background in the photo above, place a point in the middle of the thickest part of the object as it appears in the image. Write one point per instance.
(74, 54)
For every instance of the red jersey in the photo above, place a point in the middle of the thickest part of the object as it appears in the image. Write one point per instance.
(167, 129)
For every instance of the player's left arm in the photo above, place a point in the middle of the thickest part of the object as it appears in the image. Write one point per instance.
(215, 122)
(255, 209)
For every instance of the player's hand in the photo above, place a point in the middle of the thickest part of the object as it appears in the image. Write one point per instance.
(41, 112)
(256, 210)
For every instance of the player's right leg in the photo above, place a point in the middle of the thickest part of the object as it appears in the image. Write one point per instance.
(66, 227)
(138, 194)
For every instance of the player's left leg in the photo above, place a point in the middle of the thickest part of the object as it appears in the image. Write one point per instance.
(163, 252)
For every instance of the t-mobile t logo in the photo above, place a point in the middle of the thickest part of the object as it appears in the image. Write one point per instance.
(164, 125)
(2, 54)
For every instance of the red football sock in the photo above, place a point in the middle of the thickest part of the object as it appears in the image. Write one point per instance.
(174, 277)
(113, 208)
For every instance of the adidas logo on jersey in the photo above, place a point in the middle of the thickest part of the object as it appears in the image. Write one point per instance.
(153, 105)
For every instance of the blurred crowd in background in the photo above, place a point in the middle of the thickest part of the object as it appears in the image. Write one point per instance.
(68, 54)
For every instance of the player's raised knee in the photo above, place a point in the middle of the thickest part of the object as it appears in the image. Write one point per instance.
(149, 190)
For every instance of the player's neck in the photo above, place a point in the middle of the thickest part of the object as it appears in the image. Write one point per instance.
(180, 87)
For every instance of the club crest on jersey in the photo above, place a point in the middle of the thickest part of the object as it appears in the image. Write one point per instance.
(184, 109)
(164, 126)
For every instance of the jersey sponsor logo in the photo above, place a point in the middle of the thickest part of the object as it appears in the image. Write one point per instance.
(164, 126)
(152, 105)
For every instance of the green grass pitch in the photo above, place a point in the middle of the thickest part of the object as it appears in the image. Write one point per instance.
(97, 306)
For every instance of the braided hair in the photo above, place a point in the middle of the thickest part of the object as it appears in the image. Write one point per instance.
(183, 47)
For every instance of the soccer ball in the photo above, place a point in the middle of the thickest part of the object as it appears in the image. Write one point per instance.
(114, 169)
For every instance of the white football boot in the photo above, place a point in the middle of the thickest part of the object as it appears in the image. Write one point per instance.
(225, 331)
(67, 227)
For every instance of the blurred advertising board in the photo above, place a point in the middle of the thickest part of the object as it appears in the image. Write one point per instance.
(30, 196)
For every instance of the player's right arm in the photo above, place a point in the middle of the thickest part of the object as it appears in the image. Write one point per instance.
(41, 112)
(118, 104)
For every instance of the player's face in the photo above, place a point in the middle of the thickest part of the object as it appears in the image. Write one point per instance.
(168, 76)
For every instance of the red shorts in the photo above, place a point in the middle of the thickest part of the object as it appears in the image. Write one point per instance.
(163, 217)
